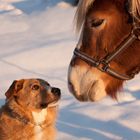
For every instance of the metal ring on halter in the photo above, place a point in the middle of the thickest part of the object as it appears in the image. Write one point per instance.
(136, 32)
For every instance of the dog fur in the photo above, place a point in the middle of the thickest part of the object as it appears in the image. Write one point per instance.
(30, 111)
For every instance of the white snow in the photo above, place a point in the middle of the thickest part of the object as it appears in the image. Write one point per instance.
(38, 42)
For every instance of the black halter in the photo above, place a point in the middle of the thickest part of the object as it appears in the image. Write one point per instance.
(103, 64)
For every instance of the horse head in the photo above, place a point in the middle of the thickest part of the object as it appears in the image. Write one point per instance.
(108, 50)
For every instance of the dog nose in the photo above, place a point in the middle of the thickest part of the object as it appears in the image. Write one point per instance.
(56, 91)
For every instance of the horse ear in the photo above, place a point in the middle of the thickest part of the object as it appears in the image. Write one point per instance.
(14, 88)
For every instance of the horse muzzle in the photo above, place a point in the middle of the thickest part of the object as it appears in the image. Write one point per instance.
(85, 84)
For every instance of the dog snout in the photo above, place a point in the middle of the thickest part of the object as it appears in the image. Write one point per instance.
(56, 91)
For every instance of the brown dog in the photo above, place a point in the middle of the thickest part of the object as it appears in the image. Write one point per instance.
(30, 111)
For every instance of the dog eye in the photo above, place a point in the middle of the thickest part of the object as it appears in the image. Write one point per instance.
(35, 87)
(97, 22)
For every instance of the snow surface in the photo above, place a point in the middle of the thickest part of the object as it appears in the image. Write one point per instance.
(37, 40)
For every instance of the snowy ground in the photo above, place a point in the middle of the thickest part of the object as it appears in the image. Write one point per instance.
(37, 40)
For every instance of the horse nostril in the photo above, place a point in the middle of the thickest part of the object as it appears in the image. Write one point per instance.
(56, 91)
(70, 87)
(43, 105)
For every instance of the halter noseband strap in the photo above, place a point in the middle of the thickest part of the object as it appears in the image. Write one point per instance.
(103, 64)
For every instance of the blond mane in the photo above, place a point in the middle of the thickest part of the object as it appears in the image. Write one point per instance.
(135, 9)
(80, 15)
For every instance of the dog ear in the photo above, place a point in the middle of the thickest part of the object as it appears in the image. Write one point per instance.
(14, 88)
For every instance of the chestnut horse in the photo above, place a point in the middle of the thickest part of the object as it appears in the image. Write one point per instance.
(108, 52)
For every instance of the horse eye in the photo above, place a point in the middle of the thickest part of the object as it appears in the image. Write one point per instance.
(97, 22)
(35, 87)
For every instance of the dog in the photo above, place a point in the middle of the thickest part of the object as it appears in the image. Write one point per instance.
(30, 111)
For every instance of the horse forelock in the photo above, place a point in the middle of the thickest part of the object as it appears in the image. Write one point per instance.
(81, 12)
(135, 9)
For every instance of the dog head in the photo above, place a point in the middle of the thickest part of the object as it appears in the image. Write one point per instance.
(33, 94)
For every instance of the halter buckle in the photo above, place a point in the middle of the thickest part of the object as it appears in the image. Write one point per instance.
(103, 66)
(136, 32)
